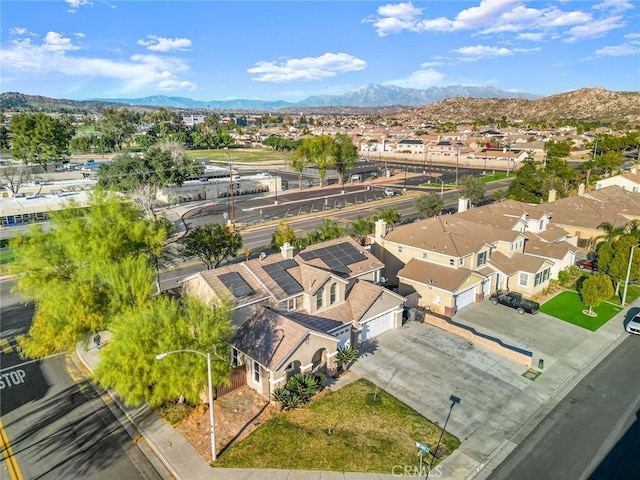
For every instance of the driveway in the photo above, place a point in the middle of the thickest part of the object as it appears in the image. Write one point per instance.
(547, 337)
(423, 366)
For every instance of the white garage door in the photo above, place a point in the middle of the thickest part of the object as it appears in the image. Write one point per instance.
(466, 297)
(344, 336)
(377, 325)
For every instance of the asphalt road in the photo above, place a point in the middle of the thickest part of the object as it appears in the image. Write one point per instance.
(593, 433)
(53, 423)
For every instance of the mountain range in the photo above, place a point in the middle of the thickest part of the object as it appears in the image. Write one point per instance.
(368, 96)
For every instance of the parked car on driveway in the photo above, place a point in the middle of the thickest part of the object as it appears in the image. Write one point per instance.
(588, 264)
(634, 325)
(515, 300)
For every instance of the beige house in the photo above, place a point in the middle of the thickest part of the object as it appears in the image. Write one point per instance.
(292, 311)
(448, 262)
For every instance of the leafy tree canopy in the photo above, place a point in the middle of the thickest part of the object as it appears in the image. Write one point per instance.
(429, 205)
(159, 166)
(595, 290)
(40, 138)
(93, 265)
(472, 188)
(211, 243)
(283, 234)
(129, 365)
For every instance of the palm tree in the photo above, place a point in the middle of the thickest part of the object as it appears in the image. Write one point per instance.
(612, 232)
(361, 227)
(389, 215)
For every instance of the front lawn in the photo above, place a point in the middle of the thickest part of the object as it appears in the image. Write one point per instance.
(345, 431)
(568, 306)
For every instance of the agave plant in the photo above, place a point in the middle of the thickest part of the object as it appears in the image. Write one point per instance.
(288, 399)
(304, 385)
(346, 356)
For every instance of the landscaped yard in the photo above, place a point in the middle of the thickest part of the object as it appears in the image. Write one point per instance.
(568, 306)
(358, 428)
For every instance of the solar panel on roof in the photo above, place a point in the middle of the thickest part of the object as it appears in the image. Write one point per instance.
(336, 257)
(238, 286)
(278, 272)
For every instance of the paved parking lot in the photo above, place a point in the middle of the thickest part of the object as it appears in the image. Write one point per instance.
(423, 366)
(547, 337)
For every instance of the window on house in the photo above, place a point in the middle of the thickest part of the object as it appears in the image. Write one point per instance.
(461, 262)
(541, 277)
(424, 255)
(319, 295)
(482, 258)
(257, 376)
(524, 279)
(452, 262)
(400, 248)
(541, 224)
(234, 357)
(291, 304)
(332, 294)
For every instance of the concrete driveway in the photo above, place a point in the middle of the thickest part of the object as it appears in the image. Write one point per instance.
(547, 337)
(423, 366)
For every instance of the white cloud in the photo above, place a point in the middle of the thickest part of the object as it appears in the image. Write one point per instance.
(595, 29)
(18, 31)
(478, 52)
(534, 37)
(614, 6)
(163, 44)
(55, 54)
(431, 64)
(55, 42)
(421, 79)
(498, 16)
(308, 68)
(624, 50)
(75, 4)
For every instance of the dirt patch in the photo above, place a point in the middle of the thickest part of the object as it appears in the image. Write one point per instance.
(237, 414)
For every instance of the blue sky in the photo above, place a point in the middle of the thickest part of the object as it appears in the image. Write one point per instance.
(270, 50)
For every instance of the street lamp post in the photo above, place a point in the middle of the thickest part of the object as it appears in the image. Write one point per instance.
(406, 167)
(212, 425)
(454, 401)
(457, 162)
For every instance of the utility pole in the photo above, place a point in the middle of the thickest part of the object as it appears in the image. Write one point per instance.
(233, 207)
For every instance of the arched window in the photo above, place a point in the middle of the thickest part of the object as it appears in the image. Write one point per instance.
(332, 294)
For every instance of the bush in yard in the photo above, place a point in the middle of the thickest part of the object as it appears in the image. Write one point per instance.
(564, 278)
(346, 356)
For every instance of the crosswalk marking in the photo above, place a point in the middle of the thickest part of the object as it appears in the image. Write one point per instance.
(5, 345)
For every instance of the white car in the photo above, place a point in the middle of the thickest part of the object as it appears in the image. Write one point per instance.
(634, 325)
(389, 192)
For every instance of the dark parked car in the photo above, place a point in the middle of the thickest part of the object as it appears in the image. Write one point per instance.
(515, 300)
(588, 265)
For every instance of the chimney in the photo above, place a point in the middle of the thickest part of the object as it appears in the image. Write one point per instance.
(581, 189)
(463, 204)
(380, 230)
(552, 195)
(287, 251)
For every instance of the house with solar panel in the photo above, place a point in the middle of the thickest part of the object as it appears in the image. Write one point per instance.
(292, 311)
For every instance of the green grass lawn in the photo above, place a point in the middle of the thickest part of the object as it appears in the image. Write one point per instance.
(344, 431)
(241, 155)
(568, 306)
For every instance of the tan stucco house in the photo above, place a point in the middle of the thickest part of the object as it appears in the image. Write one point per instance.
(292, 311)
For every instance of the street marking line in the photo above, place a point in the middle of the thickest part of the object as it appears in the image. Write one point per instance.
(7, 453)
(30, 361)
(5, 346)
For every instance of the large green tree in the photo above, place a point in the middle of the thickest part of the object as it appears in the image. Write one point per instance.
(118, 125)
(40, 138)
(472, 188)
(595, 290)
(93, 264)
(319, 151)
(211, 243)
(160, 166)
(129, 364)
(528, 184)
(429, 205)
(345, 154)
(283, 234)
